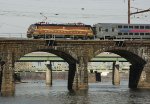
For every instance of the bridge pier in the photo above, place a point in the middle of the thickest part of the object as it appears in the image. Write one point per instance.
(134, 75)
(81, 75)
(49, 75)
(116, 74)
(0, 79)
(1, 73)
(144, 81)
(71, 76)
(8, 84)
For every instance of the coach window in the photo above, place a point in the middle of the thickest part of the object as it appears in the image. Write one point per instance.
(106, 30)
(125, 33)
(113, 29)
(141, 33)
(125, 26)
(141, 27)
(136, 27)
(100, 28)
(130, 33)
(131, 27)
(147, 34)
(119, 26)
(119, 33)
(147, 27)
(136, 34)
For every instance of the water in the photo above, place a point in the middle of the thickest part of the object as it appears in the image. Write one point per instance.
(36, 92)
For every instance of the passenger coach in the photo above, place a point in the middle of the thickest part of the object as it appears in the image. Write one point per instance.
(122, 31)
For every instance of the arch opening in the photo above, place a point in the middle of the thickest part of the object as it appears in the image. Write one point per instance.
(135, 66)
(103, 67)
(69, 68)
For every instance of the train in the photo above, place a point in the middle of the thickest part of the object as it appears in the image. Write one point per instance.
(122, 31)
(69, 30)
(83, 31)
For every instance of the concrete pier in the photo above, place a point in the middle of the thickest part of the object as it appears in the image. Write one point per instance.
(116, 74)
(71, 76)
(81, 75)
(49, 75)
(8, 84)
(1, 74)
(134, 75)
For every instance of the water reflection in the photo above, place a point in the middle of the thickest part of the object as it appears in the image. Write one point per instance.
(36, 92)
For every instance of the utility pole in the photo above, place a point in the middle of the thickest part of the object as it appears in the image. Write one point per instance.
(129, 6)
(129, 12)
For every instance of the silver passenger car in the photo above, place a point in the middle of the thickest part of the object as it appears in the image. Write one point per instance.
(122, 31)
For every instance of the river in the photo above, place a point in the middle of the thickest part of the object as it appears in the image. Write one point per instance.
(36, 92)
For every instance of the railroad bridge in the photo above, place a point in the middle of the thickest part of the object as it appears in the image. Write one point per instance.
(77, 53)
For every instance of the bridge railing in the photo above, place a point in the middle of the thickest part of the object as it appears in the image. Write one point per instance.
(24, 35)
(13, 35)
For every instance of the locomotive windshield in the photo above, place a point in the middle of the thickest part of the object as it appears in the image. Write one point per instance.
(31, 29)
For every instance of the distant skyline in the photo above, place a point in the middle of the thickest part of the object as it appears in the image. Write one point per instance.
(17, 15)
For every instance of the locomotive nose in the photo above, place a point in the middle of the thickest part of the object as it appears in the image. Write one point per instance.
(31, 30)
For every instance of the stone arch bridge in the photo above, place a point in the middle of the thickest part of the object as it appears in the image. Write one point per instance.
(77, 53)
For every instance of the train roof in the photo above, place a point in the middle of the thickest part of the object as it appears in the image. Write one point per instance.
(65, 24)
(119, 24)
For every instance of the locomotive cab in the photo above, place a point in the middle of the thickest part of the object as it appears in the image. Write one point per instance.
(31, 30)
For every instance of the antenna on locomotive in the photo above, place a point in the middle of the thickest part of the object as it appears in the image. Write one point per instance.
(45, 18)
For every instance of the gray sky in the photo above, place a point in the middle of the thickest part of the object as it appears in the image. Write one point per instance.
(17, 15)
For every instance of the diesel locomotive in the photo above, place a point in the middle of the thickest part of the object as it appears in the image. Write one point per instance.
(82, 31)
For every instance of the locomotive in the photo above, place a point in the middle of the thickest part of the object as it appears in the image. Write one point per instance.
(70, 30)
(82, 31)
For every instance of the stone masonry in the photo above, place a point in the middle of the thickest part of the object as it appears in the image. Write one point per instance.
(77, 53)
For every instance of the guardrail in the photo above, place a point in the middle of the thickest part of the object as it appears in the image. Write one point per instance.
(24, 35)
(13, 35)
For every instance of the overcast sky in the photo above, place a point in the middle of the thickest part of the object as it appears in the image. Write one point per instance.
(17, 15)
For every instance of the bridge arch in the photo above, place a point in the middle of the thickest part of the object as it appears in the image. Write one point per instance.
(129, 56)
(67, 57)
(64, 55)
(136, 61)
